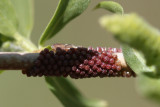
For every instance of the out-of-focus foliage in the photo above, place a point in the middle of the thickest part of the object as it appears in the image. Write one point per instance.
(70, 95)
(132, 30)
(24, 13)
(149, 86)
(16, 20)
(8, 18)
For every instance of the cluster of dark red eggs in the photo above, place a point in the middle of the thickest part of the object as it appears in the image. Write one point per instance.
(77, 63)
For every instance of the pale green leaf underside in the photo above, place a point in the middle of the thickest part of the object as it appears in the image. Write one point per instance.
(134, 31)
(110, 6)
(69, 95)
(24, 12)
(8, 19)
(66, 11)
(135, 61)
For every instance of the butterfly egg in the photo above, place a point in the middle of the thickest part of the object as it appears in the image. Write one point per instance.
(77, 62)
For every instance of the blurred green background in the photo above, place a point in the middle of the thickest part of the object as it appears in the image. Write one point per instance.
(16, 90)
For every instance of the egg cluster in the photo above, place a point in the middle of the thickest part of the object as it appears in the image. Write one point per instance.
(78, 63)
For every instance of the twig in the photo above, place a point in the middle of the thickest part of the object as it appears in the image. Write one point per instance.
(16, 60)
(19, 61)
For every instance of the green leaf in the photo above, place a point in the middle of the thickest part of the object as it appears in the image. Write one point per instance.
(10, 26)
(48, 47)
(110, 6)
(8, 19)
(134, 31)
(24, 12)
(1, 71)
(65, 12)
(149, 86)
(4, 39)
(135, 61)
(69, 95)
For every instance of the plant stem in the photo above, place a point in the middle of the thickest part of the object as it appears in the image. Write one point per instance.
(16, 61)
(19, 61)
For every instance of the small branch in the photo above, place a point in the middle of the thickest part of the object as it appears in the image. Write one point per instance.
(68, 60)
(19, 61)
(16, 60)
